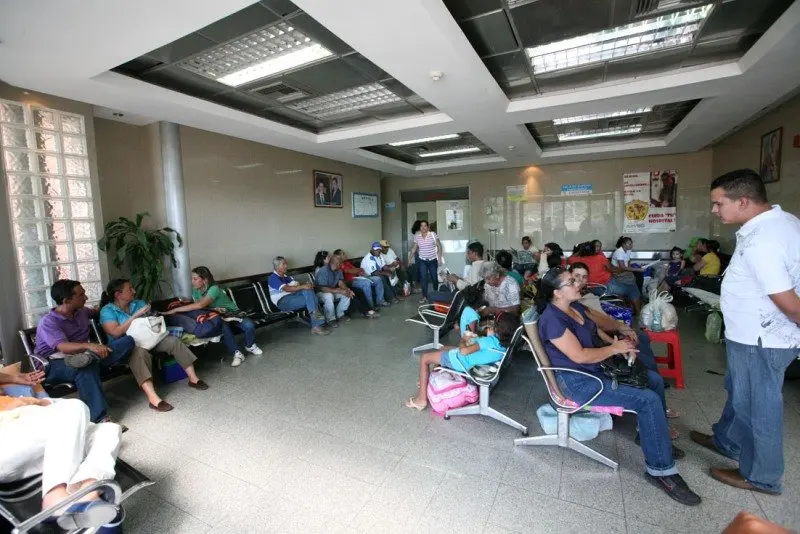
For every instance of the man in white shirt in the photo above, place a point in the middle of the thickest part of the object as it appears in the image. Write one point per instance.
(391, 261)
(475, 259)
(761, 309)
(376, 269)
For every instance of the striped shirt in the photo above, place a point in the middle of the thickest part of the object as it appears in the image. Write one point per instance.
(426, 245)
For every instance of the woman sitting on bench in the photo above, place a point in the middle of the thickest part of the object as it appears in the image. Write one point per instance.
(573, 341)
(118, 311)
(57, 440)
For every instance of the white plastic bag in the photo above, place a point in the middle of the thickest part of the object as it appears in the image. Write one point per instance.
(659, 305)
(148, 332)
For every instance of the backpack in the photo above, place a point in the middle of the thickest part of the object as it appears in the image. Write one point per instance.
(714, 327)
(447, 391)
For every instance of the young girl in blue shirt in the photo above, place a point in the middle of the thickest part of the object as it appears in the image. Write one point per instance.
(469, 353)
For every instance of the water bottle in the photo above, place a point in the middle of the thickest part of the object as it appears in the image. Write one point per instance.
(657, 320)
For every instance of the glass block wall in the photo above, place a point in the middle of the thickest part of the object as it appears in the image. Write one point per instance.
(45, 158)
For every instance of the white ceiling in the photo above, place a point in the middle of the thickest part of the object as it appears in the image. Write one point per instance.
(67, 49)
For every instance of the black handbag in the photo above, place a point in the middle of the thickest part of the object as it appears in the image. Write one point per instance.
(620, 372)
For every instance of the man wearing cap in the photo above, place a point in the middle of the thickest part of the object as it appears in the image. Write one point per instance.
(391, 260)
(374, 266)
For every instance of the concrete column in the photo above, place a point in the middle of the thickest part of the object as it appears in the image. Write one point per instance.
(175, 202)
(11, 319)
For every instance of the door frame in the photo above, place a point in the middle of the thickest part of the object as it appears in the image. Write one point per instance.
(462, 192)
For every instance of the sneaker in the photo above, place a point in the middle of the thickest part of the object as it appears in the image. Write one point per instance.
(676, 488)
(254, 349)
(334, 324)
(345, 318)
(318, 316)
(385, 304)
(238, 358)
(423, 300)
(318, 330)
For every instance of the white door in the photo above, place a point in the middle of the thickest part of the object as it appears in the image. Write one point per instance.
(452, 225)
(417, 211)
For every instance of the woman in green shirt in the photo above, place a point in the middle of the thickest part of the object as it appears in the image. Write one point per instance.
(208, 295)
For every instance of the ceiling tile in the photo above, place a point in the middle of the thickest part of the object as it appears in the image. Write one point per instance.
(490, 34)
(511, 68)
(366, 66)
(327, 77)
(182, 48)
(280, 7)
(184, 81)
(461, 9)
(571, 79)
(319, 33)
(547, 21)
(245, 21)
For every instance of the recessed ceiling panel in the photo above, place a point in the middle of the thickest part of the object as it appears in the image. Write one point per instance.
(622, 124)
(568, 44)
(272, 60)
(433, 149)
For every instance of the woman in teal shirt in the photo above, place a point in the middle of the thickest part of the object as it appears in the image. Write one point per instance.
(208, 295)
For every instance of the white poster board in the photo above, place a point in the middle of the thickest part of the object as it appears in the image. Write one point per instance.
(365, 205)
(650, 199)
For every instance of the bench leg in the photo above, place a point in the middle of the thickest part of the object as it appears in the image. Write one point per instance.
(482, 408)
(585, 450)
(545, 439)
(427, 346)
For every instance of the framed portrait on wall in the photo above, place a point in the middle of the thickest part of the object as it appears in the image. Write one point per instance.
(770, 162)
(328, 190)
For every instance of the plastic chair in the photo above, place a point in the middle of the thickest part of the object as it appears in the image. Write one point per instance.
(485, 385)
(673, 359)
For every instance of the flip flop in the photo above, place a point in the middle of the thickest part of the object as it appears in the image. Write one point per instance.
(673, 414)
(411, 404)
(674, 433)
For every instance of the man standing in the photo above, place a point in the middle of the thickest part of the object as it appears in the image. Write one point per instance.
(62, 338)
(374, 266)
(290, 295)
(475, 259)
(761, 309)
(331, 290)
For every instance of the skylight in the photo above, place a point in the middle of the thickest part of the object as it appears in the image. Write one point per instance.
(658, 33)
(341, 102)
(259, 54)
(603, 132)
(597, 116)
(425, 140)
(462, 150)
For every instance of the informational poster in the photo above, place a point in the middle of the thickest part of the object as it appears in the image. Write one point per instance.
(576, 189)
(365, 205)
(455, 218)
(515, 193)
(650, 199)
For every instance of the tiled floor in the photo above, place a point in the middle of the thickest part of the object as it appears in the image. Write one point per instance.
(312, 437)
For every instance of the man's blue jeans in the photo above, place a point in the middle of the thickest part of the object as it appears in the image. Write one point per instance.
(304, 299)
(751, 425)
(367, 286)
(649, 404)
(328, 300)
(87, 379)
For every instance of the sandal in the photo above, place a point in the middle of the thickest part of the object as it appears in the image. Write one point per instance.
(673, 414)
(411, 404)
(86, 514)
(674, 433)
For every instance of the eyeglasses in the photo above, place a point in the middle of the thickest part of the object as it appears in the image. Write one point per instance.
(569, 282)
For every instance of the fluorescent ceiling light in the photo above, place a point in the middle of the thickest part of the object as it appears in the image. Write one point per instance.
(462, 150)
(658, 33)
(349, 100)
(425, 140)
(289, 171)
(248, 166)
(596, 116)
(259, 54)
(593, 134)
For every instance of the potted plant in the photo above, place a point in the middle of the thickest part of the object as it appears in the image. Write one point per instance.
(141, 252)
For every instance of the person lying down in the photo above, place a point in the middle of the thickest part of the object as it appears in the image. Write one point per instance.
(489, 347)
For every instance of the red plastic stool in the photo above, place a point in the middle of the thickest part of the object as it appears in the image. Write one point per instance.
(673, 361)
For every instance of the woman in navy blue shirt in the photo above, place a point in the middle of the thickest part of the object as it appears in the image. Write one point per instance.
(573, 341)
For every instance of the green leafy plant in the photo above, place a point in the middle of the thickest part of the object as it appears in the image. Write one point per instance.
(140, 252)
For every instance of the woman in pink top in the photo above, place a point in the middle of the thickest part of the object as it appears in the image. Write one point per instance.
(429, 249)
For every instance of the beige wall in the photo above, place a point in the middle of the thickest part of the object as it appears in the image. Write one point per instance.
(571, 219)
(743, 148)
(238, 219)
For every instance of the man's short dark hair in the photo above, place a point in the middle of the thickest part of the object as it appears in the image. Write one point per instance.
(476, 247)
(742, 183)
(503, 259)
(62, 290)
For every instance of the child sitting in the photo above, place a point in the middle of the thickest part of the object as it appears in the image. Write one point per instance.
(473, 301)
(469, 353)
(676, 265)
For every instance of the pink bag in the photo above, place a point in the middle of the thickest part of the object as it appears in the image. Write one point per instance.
(447, 391)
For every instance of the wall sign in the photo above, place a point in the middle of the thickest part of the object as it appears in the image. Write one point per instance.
(515, 193)
(650, 199)
(576, 189)
(365, 205)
